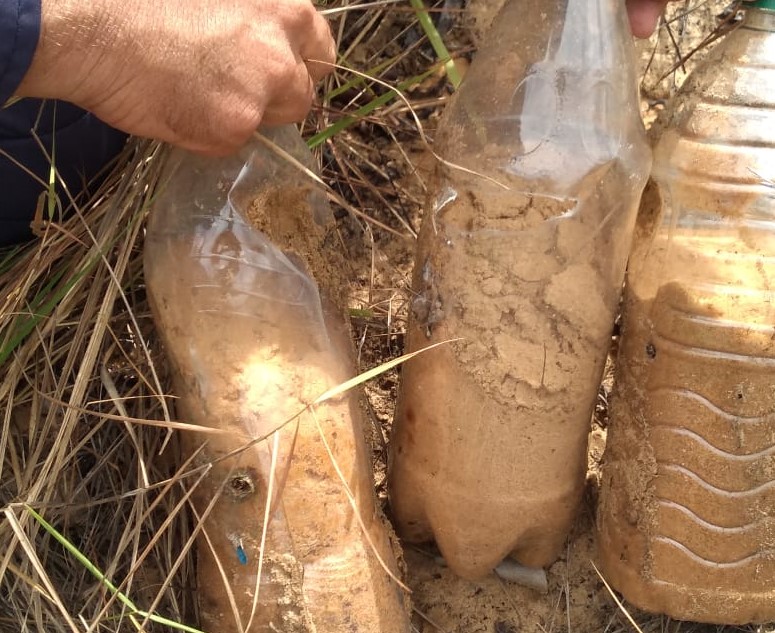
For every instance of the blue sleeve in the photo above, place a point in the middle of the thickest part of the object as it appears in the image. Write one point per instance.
(84, 145)
(19, 34)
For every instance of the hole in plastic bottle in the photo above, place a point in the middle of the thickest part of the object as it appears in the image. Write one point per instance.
(241, 485)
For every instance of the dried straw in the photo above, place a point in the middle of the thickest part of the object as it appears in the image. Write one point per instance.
(88, 359)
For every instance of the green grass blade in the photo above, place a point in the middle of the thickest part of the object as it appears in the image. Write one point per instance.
(167, 622)
(361, 313)
(97, 573)
(81, 558)
(346, 121)
(434, 37)
(8, 258)
(358, 80)
(52, 175)
(42, 307)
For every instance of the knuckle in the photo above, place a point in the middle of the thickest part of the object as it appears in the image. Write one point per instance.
(303, 15)
(232, 126)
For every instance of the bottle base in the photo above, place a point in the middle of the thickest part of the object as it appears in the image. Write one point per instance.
(717, 606)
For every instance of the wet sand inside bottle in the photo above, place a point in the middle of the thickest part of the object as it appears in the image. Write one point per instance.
(688, 521)
(284, 214)
(319, 570)
(516, 322)
(530, 284)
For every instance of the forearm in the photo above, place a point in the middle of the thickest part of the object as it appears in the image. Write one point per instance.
(71, 35)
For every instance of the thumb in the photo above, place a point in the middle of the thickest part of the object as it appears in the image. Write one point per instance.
(644, 15)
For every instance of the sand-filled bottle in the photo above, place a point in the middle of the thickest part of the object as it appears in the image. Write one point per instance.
(687, 514)
(252, 342)
(521, 257)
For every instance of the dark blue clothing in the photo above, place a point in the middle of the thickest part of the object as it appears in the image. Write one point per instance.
(83, 144)
(19, 33)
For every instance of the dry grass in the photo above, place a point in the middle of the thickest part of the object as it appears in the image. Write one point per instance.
(82, 368)
(70, 449)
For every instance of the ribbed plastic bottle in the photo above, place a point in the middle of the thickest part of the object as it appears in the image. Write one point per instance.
(687, 511)
(521, 258)
(252, 343)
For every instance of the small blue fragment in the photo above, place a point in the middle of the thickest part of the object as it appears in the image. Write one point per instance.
(241, 555)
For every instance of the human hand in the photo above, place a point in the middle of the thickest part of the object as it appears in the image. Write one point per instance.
(201, 74)
(644, 15)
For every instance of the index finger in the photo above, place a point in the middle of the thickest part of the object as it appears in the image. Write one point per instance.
(319, 51)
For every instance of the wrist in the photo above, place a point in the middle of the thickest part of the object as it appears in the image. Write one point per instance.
(71, 35)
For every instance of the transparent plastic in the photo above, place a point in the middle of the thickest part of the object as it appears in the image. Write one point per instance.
(687, 512)
(523, 260)
(251, 343)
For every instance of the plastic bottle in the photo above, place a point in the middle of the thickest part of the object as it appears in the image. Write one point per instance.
(521, 258)
(251, 344)
(687, 512)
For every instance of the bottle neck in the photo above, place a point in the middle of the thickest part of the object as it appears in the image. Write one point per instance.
(760, 15)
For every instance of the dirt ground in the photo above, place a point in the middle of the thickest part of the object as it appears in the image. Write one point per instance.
(91, 476)
(577, 599)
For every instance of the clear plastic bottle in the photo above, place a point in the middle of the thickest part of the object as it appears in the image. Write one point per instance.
(687, 512)
(251, 344)
(522, 258)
